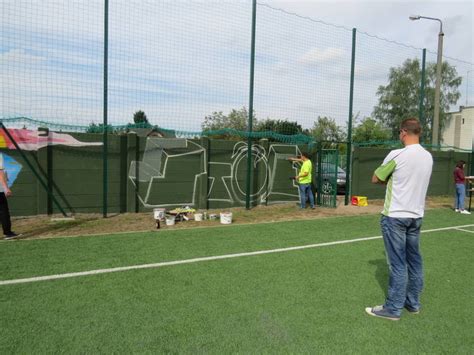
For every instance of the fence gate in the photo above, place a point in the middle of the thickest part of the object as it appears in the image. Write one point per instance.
(326, 172)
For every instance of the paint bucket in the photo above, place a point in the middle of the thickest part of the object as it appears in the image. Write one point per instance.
(198, 217)
(212, 217)
(359, 201)
(170, 220)
(226, 217)
(159, 213)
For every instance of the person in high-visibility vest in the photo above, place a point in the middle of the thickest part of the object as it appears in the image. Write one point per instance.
(304, 179)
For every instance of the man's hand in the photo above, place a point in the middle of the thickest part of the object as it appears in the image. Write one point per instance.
(8, 192)
(376, 180)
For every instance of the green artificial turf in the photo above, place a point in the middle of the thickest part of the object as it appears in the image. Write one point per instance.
(306, 301)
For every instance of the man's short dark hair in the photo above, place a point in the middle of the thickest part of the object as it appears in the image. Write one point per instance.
(460, 164)
(304, 154)
(411, 126)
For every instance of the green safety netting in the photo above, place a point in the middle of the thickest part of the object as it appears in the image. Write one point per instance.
(115, 129)
(289, 139)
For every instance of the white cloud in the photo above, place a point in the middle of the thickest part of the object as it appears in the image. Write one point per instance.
(321, 55)
(18, 55)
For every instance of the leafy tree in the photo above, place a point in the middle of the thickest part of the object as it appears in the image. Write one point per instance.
(326, 129)
(140, 119)
(370, 130)
(279, 126)
(399, 99)
(236, 119)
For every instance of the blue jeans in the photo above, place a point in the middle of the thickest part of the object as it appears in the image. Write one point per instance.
(460, 196)
(401, 237)
(305, 192)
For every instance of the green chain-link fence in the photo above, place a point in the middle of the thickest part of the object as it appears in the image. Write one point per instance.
(186, 66)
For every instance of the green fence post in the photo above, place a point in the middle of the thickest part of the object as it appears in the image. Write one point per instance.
(320, 176)
(472, 162)
(105, 122)
(472, 158)
(249, 130)
(132, 192)
(451, 163)
(204, 179)
(421, 109)
(43, 195)
(123, 158)
(45, 161)
(349, 128)
(138, 152)
(266, 145)
(49, 174)
(355, 171)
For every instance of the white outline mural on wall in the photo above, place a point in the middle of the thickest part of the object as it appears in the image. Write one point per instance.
(153, 168)
(161, 153)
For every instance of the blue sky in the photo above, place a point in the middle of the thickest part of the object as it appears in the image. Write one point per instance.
(182, 60)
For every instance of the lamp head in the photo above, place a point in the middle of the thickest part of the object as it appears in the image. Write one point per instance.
(414, 17)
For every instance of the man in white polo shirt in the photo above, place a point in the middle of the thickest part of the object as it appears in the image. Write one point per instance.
(406, 172)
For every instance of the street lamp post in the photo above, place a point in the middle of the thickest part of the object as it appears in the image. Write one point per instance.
(435, 128)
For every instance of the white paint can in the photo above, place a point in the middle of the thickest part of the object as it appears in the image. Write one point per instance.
(170, 220)
(159, 213)
(226, 217)
(198, 217)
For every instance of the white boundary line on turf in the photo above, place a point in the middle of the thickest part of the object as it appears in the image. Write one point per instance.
(207, 258)
(464, 230)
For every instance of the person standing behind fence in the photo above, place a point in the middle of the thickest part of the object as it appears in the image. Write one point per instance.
(304, 179)
(460, 182)
(406, 172)
(4, 211)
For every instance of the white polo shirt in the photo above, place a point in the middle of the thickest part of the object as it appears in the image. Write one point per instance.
(407, 172)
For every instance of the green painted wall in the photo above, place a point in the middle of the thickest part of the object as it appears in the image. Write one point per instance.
(199, 172)
(366, 160)
(25, 199)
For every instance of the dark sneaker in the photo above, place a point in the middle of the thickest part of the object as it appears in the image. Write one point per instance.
(412, 310)
(379, 311)
(11, 235)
